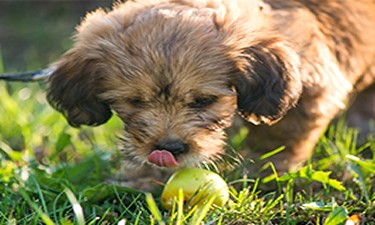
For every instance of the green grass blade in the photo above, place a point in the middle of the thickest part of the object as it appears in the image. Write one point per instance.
(76, 206)
(154, 208)
(180, 207)
(364, 164)
(271, 153)
(40, 213)
(337, 216)
(200, 214)
(137, 219)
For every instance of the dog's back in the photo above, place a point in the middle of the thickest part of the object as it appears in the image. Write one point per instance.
(335, 41)
(341, 32)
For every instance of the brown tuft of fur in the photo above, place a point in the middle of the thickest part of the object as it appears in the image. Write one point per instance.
(179, 71)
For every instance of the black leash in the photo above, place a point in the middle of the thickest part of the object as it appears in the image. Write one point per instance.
(28, 76)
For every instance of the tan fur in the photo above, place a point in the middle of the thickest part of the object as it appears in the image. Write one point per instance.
(289, 67)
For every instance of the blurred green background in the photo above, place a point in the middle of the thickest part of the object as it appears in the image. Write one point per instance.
(34, 33)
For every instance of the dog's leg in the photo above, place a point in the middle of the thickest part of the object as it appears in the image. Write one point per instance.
(142, 178)
(361, 114)
(298, 131)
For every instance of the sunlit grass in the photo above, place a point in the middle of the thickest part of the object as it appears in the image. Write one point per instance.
(51, 173)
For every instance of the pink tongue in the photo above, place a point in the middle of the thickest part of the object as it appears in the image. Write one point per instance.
(162, 158)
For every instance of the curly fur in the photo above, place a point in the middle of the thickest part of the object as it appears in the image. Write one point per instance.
(180, 70)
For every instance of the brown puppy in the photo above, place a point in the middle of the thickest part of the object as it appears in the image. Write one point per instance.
(176, 72)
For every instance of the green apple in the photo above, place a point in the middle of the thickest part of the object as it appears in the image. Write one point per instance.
(198, 186)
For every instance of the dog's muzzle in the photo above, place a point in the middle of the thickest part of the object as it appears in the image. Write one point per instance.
(165, 153)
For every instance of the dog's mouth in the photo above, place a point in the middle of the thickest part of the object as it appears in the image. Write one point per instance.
(162, 158)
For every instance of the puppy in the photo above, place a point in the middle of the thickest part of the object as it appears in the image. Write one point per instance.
(177, 72)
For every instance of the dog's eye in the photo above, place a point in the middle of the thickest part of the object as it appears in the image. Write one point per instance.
(136, 102)
(202, 102)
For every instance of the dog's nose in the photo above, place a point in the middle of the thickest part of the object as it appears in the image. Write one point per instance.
(176, 147)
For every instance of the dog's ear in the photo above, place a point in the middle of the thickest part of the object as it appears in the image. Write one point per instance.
(75, 84)
(269, 82)
(73, 89)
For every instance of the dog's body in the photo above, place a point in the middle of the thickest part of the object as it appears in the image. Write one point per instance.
(176, 72)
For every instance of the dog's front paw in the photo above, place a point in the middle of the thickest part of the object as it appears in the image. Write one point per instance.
(145, 178)
(146, 184)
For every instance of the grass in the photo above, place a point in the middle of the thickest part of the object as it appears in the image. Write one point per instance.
(51, 173)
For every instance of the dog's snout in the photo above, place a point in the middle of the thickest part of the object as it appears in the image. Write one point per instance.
(176, 147)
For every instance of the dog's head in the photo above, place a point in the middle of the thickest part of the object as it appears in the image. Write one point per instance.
(175, 73)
